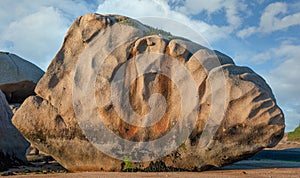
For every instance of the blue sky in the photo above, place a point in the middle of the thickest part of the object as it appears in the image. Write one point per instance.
(263, 35)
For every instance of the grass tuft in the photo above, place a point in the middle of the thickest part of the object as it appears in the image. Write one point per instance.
(295, 135)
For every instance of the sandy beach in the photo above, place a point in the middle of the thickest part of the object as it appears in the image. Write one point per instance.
(274, 172)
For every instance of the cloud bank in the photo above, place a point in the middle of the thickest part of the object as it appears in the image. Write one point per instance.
(36, 29)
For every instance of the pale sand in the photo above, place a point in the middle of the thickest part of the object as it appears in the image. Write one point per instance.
(257, 173)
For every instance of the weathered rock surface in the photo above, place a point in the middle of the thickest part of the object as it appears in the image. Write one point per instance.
(18, 77)
(112, 62)
(12, 144)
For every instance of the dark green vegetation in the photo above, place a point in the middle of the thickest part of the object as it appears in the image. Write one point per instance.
(3, 52)
(157, 31)
(150, 31)
(295, 135)
(157, 166)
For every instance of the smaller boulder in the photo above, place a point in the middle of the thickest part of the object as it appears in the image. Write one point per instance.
(18, 77)
(13, 145)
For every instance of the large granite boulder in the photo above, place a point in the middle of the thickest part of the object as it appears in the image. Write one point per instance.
(18, 77)
(12, 144)
(120, 94)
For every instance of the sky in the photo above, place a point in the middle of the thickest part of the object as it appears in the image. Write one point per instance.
(263, 34)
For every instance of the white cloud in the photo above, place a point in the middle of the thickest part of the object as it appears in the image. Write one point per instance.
(270, 21)
(232, 9)
(35, 29)
(247, 32)
(261, 58)
(196, 6)
(43, 30)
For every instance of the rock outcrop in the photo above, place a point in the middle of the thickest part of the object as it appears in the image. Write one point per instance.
(18, 77)
(12, 144)
(120, 94)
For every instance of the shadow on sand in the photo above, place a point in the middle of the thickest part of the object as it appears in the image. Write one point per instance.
(288, 158)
